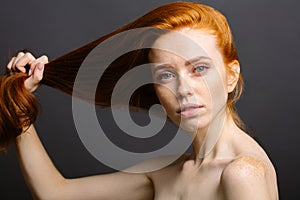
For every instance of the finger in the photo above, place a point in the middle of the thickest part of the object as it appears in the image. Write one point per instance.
(37, 75)
(20, 64)
(43, 59)
(9, 65)
(19, 55)
(38, 72)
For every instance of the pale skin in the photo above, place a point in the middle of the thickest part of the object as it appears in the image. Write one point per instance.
(235, 168)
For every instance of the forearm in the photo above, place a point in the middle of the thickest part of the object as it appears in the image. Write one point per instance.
(42, 177)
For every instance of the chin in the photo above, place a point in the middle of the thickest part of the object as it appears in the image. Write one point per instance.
(193, 125)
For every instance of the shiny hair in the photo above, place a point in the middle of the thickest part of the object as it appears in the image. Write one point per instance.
(19, 108)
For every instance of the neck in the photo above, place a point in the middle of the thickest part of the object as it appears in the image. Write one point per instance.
(213, 142)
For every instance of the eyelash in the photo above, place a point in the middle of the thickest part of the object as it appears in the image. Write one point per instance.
(170, 75)
(203, 66)
(160, 77)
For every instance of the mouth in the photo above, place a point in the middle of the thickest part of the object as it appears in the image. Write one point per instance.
(189, 110)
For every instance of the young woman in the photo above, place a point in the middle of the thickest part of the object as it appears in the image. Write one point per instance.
(197, 83)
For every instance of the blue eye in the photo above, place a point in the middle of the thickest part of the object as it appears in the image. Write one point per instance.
(200, 68)
(166, 75)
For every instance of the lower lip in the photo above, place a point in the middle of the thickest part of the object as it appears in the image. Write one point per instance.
(190, 112)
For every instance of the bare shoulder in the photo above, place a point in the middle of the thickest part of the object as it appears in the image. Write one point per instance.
(245, 167)
(248, 177)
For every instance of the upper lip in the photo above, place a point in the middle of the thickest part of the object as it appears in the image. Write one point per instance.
(187, 106)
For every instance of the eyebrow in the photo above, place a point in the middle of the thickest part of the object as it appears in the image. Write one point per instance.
(161, 66)
(193, 60)
(187, 62)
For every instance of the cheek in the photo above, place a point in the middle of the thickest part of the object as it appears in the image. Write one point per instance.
(217, 91)
(169, 101)
(165, 96)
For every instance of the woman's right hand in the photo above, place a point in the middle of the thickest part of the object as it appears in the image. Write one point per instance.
(35, 73)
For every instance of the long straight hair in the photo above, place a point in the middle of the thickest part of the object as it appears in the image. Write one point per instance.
(19, 108)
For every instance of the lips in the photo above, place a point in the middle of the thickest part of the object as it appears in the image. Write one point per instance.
(189, 110)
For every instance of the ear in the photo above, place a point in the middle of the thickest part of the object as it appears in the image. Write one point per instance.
(233, 73)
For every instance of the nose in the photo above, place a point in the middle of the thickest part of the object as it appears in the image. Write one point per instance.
(183, 88)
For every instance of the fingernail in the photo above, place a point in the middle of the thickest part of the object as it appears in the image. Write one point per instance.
(41, 65)
(29, 72)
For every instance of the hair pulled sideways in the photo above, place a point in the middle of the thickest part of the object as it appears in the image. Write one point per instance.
(19, 108)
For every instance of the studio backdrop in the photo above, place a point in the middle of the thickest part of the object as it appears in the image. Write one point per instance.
(267, 38)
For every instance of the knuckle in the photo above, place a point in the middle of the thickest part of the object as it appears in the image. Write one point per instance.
(20, 54)
(44, 57)
(29, 56)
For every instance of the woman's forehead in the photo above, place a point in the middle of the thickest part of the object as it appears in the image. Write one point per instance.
(187, 43)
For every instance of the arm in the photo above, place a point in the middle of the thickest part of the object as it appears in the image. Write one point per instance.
(248, 178)
(45, 181)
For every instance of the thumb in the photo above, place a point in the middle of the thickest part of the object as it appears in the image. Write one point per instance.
(33, 81)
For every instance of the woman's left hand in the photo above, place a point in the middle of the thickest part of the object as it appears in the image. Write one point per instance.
(18, 63)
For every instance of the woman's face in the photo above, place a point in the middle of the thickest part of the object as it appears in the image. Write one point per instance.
(190, 77)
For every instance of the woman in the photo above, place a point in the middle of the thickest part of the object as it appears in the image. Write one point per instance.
(197, 81)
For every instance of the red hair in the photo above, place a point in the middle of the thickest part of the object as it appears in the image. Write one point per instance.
(19, 107)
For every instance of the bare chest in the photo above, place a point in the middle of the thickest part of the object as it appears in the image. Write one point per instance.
(190, 184)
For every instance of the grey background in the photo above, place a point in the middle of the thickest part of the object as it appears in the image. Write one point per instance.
(266, 33)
